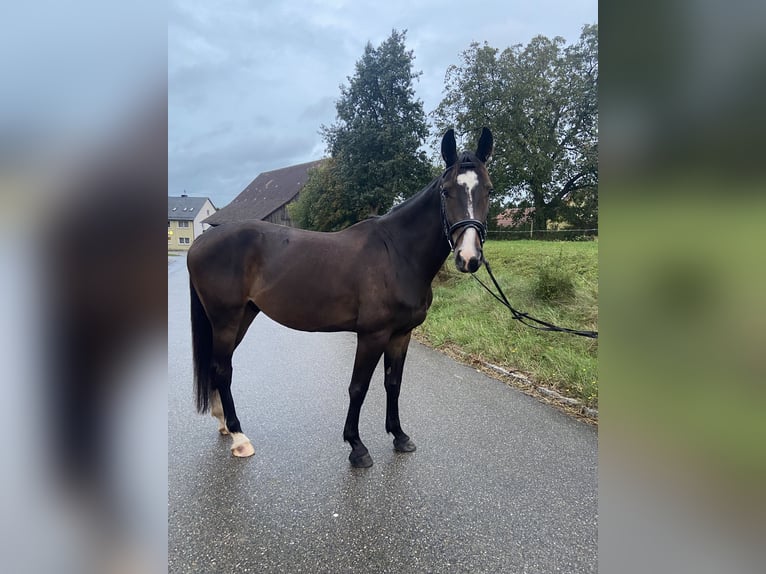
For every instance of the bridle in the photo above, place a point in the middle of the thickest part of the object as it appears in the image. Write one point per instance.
(481, 228)
(449, 229)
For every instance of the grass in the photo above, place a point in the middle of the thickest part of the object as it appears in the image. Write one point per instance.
(553, 281)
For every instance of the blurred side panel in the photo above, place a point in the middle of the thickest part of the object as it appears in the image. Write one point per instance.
(683, 315)
(83, 179)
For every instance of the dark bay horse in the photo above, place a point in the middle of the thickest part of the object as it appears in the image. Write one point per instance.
(373, 278)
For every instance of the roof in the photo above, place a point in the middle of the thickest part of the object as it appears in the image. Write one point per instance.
(185, 207)
(515, 216)
(265, 194)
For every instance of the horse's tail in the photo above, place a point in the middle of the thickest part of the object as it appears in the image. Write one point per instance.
(202, 350)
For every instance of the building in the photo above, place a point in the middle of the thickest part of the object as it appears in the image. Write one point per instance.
(185, 220)
(266, 197)
(516, 218)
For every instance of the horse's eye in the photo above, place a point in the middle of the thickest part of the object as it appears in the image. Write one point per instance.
(444, 192)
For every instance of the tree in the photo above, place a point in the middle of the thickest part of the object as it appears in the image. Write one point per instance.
(375, 141)
(541, 102)
(323, 204)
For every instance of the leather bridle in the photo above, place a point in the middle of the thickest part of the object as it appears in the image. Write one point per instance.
(450, 229)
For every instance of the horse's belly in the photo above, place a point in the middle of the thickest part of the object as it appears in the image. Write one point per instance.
(310, 314)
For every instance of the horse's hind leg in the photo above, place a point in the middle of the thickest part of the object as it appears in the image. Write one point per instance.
(216, 407)
(225, 340)
(394, 356)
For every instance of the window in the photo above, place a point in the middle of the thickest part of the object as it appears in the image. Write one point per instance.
(183, 240)
(168, 224)
(183, 224)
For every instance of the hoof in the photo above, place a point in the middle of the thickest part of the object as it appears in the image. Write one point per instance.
(363, 461)
(405, 445)
(243, 450)
(242, 447)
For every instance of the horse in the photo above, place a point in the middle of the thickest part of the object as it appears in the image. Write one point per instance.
(372, 278)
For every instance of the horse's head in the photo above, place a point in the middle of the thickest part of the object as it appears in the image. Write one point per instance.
(465, 188)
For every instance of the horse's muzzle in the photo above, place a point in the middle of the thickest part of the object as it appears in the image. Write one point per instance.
(468, 251)
(470, 265)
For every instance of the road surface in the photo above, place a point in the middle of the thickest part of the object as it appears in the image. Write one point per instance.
(500, 482)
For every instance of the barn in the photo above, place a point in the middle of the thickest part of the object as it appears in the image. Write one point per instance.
(266, 197)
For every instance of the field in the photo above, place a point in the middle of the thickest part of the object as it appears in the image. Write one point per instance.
(553, 281)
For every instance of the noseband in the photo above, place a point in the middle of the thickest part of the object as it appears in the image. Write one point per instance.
(449, 229)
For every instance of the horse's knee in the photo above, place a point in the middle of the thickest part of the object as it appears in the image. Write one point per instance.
(356, 393)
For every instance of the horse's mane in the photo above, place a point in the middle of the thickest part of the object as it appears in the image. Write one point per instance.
(415, 197)
(465, 157)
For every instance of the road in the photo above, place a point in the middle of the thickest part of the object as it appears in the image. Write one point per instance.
(500, 482)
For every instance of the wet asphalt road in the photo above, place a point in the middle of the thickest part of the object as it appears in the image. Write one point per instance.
(499, 483)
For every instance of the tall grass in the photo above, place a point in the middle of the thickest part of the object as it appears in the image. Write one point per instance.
(553, 281)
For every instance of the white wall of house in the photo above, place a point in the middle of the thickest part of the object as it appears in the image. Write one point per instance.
(206, 211)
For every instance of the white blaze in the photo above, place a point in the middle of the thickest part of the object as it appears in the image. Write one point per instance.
(469, 240)
(467, 246)
(469, 180)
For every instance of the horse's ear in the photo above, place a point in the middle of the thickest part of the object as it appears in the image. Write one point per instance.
(484, 151)
(449, 148)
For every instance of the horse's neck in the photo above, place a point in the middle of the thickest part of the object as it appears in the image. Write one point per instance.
(417, 231)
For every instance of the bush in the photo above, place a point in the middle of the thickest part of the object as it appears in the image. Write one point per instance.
(553, 283)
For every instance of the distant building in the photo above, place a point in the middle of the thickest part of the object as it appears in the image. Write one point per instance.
(516, 218)
(185, 220)
(267, 196)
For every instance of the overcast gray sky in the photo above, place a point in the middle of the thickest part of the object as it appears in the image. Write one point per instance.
(250, 83)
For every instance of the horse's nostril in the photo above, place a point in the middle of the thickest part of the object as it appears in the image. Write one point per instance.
(460, 263)
(467, 265)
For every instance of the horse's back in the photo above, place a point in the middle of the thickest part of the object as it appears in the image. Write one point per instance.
(306, 280)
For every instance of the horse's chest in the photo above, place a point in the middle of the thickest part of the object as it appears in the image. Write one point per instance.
(394, 305)
(415, 308)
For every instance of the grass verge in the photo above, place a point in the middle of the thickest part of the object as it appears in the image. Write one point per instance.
(553, 281)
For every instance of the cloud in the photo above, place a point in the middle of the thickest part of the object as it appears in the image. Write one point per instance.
(250, 84)
(319, 110)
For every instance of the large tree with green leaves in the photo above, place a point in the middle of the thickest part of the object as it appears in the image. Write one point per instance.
(374, 142)
(323, 204)
(541, 102)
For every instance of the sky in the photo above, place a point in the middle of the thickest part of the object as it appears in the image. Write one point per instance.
(251, 83)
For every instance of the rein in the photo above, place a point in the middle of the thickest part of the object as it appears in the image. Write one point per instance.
(481, 228)
(523, 318)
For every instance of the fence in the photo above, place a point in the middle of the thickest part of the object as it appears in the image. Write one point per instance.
(544, 234)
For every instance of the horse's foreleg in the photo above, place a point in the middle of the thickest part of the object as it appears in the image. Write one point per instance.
(369, 348)
(395, 354)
